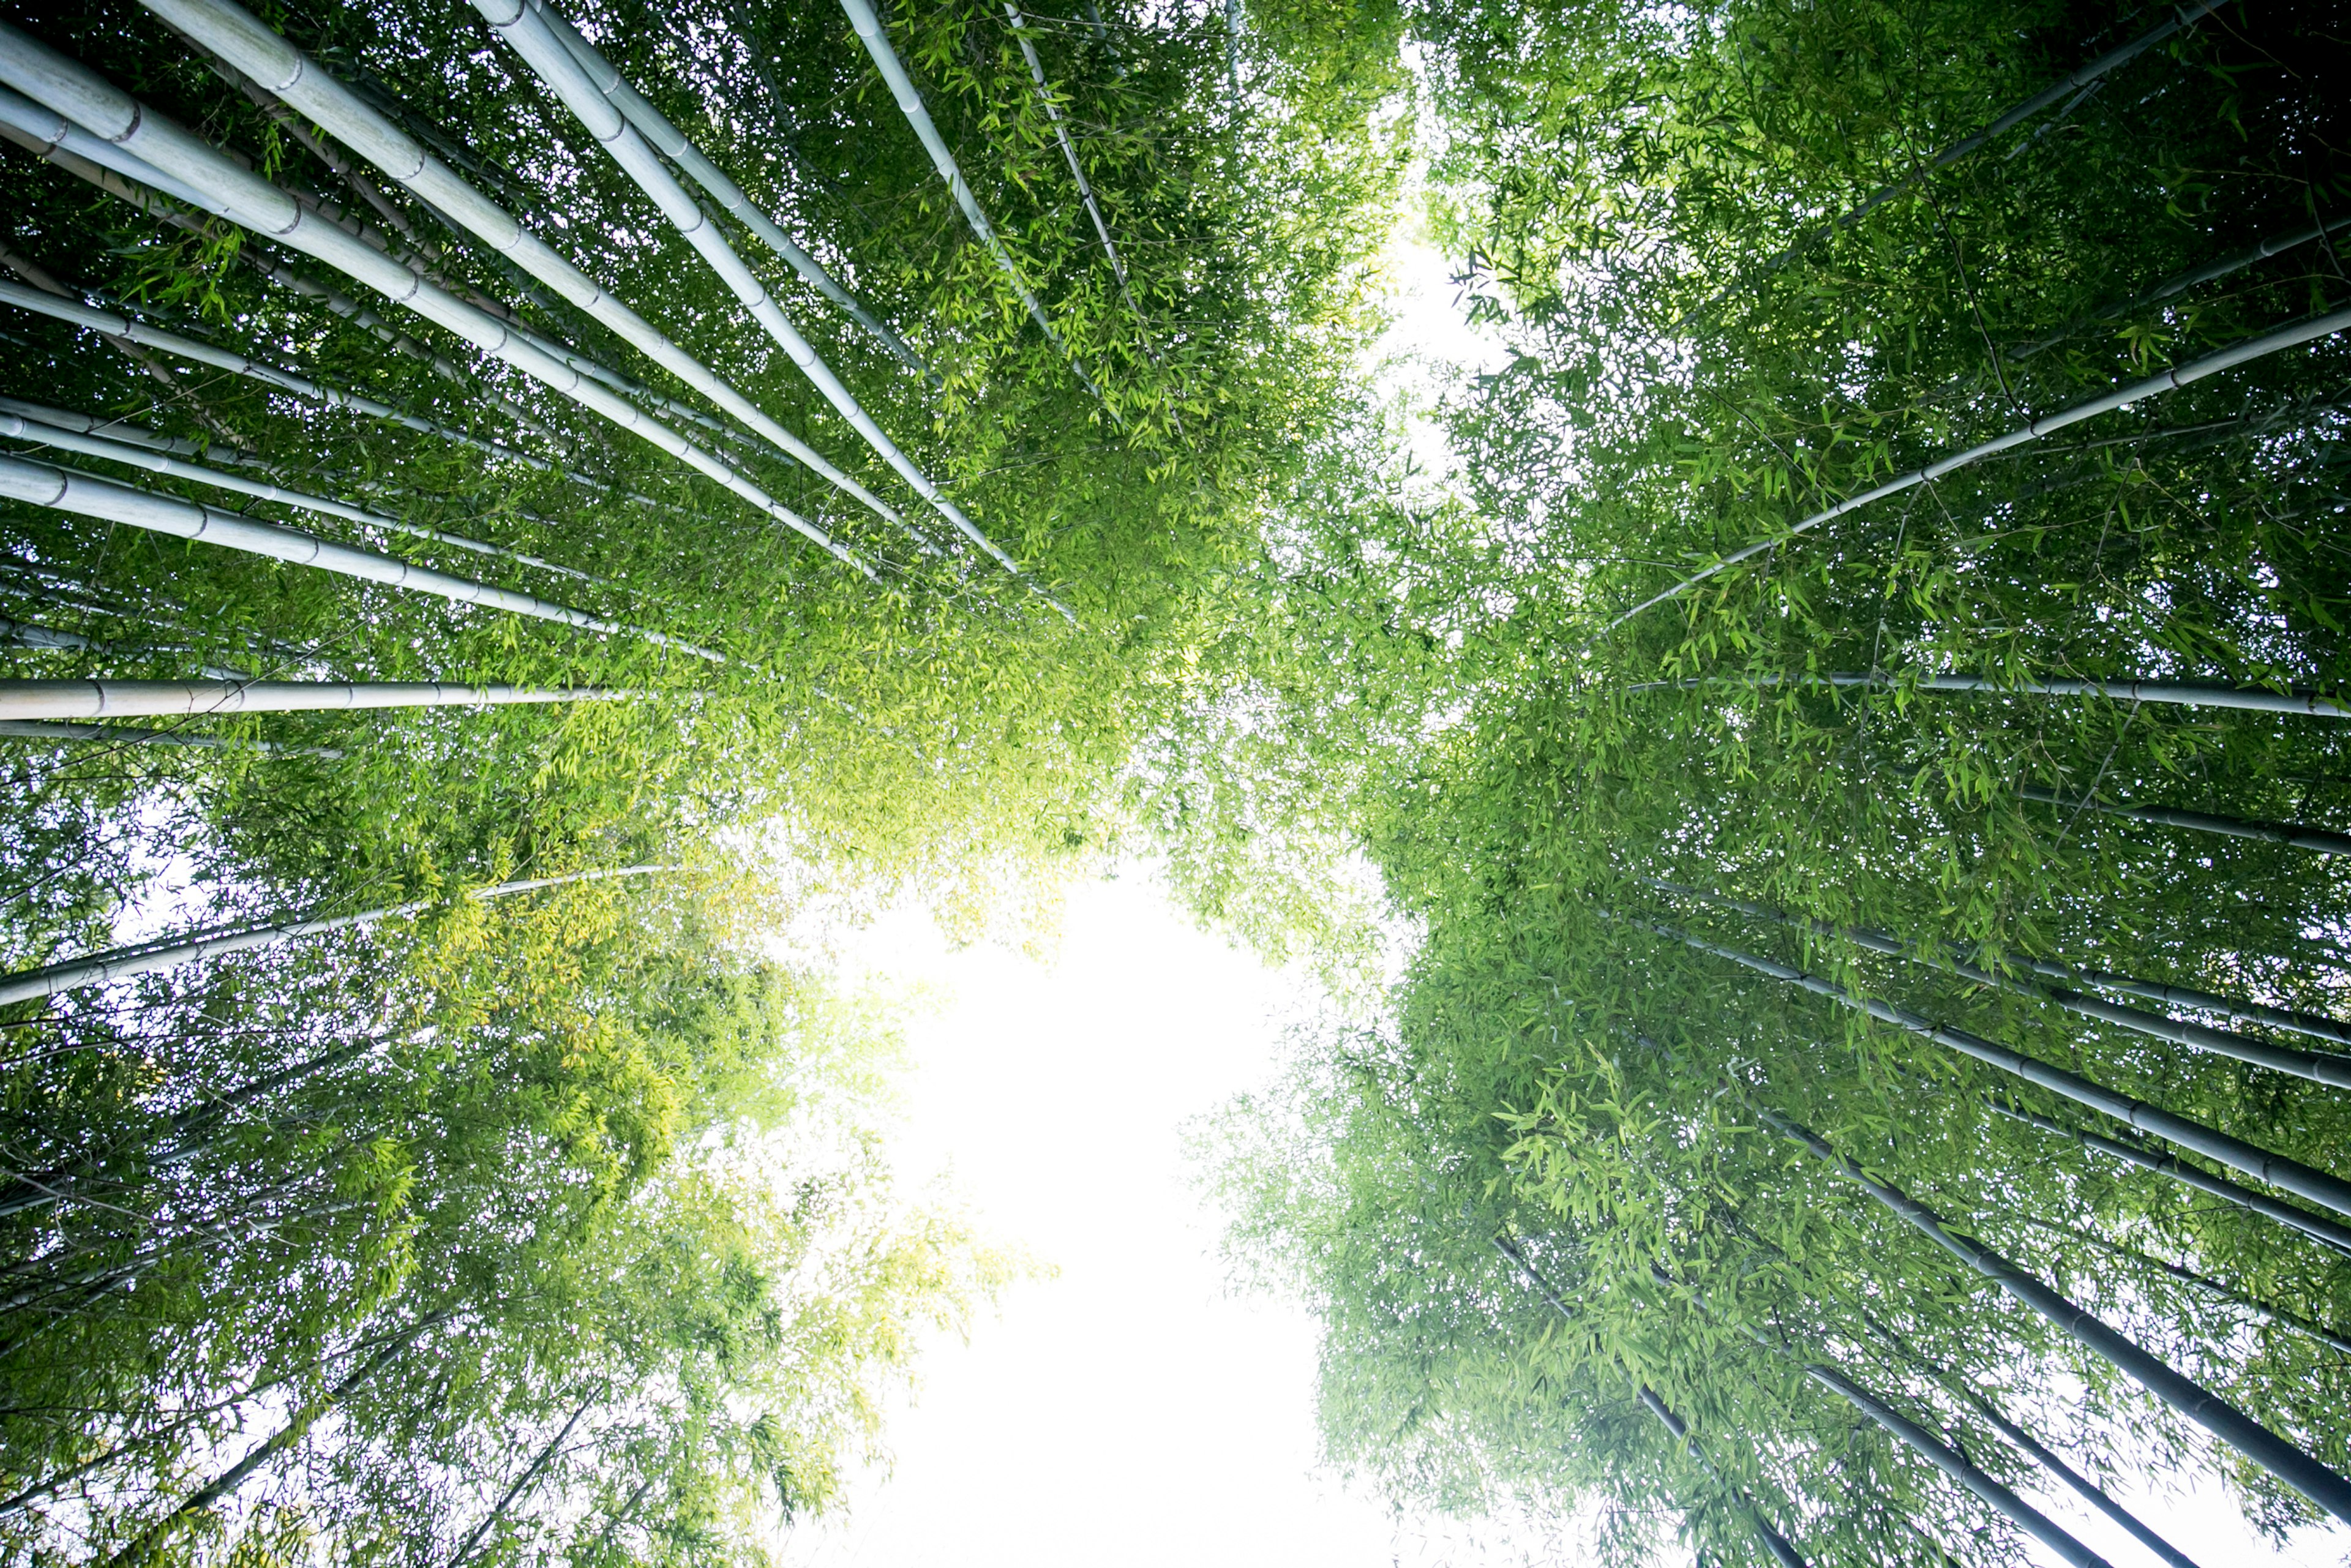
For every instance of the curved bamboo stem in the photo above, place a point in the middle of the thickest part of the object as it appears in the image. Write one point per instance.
(71, 89)
(124, 448)
(2181, 694)
(123, 963)
(2121, 397)
(876, 39)
(254, 48)
(2317, 1187)
(2285, 1460)
(534, 32)
(2321, 840)
(71, 490)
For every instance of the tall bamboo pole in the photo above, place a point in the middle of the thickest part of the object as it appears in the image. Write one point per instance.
(139, 334)
(1780, 1549)
(2323, 840)
(73, 90)
(533, 32)
(189, 699)
(71, 490)
(254, 48)
(870, 31)
(2179, 694)
(2317, 1227)
(1076, 169)
(2236, 354)
(2316, 1066)
(2318, 1187)
(655, 128)
(1956, 1464)
(123, 963)
(2181, 18)
(2285, 1460)
(122, 446)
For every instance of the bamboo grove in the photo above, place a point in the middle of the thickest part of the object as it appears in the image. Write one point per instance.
(507, 511)
(1859, 745)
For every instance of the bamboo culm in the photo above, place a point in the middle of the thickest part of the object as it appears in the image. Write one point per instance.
(2082, 1486)
(2321, 840)
(111, 325)
(123, 963)
(2281, 1459)
(54, 730)
(189, 699)
(2317, 1187)
(1956, 1464)
(1782, 1550)
(2236, 354)
(575, 76)
(2317, 1067)
(123, 450)
(2276, 244)
(655, 128)
(2182, 18)
(71, 490)
(260, 53)
(2268, 1312)
(1069, 155)
(2317, 1227)
(2181, 694)
(869, 30)
(72, 90)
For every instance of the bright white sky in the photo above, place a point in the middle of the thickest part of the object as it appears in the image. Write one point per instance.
(1129, 1412)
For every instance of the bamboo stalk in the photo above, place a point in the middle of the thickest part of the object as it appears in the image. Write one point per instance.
(123, 963)
(71, 89)
(58, 730)
(138, 333)
(2285, 1460)
(2276, 244)
(71, 490)
(2185, 694)
(2268, 1312)
(656, 128)
(2317, 1227)
(2316, 1066)
(260, 53)
(1077, 172)
(2317, 1187)
(870, 31)
(2321, 840)
(538, 35)
(1780, 1549)
(2236, 354)
(1956, 1464)
(149, 699)
(119, 449)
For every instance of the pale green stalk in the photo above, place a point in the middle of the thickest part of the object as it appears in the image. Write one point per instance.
(147, 958)
(532, 32)
(2287, 1461)
(870, 31)
(44, 433)
(2122, 397)
(72, 90)
(71, 490)
(250, 45)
